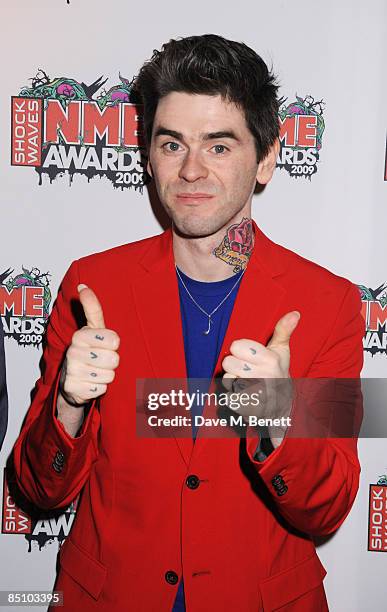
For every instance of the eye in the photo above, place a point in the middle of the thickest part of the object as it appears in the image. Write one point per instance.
(219, 149)
(171, 146)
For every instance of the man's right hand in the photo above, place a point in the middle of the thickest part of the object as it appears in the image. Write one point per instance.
(92, 356)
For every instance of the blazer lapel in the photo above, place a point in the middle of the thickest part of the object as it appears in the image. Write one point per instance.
(258, 306)
(260, 297)
(156, 296)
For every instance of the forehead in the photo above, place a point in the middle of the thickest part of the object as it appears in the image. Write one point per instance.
(199, 114)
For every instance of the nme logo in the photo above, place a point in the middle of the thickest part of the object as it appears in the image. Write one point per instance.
(374, 311)
(62, 126)
(301, 129)
(377, 524)
(24, 305)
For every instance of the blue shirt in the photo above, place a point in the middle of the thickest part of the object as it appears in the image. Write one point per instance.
(202, 350)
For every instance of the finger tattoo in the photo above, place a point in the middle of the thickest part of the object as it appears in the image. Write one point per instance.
(97, 337)
(93, 355)
(93, 374)
(93, 390)
(253, 351)
(246, 367)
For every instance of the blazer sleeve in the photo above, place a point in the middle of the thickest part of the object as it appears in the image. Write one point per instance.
(50, 466)
(314, 480)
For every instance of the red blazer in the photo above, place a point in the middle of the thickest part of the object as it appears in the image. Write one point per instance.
(139, 526)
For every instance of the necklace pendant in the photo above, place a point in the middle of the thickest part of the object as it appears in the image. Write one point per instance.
(209, 327)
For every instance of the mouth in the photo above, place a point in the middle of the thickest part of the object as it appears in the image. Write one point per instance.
(191, 198)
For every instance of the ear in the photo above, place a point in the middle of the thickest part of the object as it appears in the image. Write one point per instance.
(267, 165)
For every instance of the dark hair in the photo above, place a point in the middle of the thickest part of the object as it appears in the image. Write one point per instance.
(210, 64)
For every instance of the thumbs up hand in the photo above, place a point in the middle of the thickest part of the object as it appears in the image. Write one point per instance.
(92, 357)
(251, 359)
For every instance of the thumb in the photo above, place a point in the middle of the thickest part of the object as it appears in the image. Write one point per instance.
(284, 329)
(91, 307)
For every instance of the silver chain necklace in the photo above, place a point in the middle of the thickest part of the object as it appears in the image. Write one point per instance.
(209, 314)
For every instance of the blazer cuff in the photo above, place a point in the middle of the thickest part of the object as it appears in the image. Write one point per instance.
(59, 425)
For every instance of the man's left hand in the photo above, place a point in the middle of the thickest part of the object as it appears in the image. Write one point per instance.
(251, 359)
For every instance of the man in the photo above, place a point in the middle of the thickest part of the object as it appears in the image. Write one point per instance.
(3, 390)
(210, 524)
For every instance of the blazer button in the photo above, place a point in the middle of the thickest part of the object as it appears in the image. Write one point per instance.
(171, 577)
(59, 461)
(282, 490)
(192, 481)
(59, 458)
(58, 468)
(277, 480)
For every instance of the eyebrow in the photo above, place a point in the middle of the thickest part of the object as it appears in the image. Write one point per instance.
(163, 131)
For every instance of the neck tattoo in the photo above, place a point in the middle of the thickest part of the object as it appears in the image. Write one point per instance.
(237, 245)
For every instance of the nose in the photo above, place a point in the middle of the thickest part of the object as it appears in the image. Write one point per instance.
(193, 167)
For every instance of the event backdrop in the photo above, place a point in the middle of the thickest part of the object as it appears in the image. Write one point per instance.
(73, 183)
